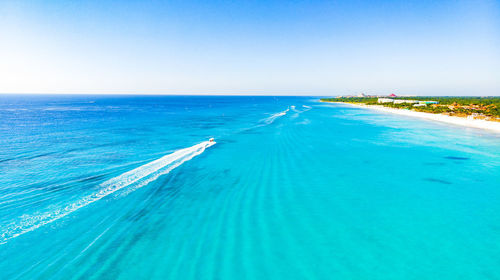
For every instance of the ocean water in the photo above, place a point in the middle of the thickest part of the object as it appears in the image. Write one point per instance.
(127, 187)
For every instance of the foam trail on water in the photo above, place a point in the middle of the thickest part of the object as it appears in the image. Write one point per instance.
(138, 177)
(298, 112)
(271, 119)
(305, 109)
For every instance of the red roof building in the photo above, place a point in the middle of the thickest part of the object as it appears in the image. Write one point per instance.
(392, 95)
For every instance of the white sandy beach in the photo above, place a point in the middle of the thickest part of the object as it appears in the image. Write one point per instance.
(474, 123)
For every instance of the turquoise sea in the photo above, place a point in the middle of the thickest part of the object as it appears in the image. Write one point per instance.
(127, 187)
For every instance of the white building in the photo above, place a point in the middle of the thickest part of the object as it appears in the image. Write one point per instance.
(400, 101)
(385, 100)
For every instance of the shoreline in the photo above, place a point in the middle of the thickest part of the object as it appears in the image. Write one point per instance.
(473, 123)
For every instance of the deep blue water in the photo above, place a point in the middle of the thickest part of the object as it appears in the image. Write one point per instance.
(320, 191)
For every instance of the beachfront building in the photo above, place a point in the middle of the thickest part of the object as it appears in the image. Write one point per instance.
(473, 116)
(385, 100)
(401, 101)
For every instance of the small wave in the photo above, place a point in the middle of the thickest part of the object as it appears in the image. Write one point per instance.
(305, 122)
(135, 178)
(273, 117)
(62, 108)
(306, 108)
(14, 109)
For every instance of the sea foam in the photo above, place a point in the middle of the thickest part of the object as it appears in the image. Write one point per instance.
(273, 117)
(135, 178)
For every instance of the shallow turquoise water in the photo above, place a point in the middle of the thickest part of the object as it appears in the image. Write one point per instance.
(320, 191)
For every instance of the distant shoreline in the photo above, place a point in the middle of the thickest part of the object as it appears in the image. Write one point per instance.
(473, 123)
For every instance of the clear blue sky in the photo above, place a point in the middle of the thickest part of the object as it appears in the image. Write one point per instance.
(250, 47)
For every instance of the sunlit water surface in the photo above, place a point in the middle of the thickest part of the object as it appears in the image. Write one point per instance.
(128, 188)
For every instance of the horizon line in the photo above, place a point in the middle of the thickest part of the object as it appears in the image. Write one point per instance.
(224, 94)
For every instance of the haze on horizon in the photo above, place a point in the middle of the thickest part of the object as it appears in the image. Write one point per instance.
(250, 47)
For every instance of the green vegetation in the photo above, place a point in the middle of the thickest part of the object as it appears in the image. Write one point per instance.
(365, 100)
(483, 107)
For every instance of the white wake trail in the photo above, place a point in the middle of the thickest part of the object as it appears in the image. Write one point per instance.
(271, 119)
(138, 177)
(305, 109)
